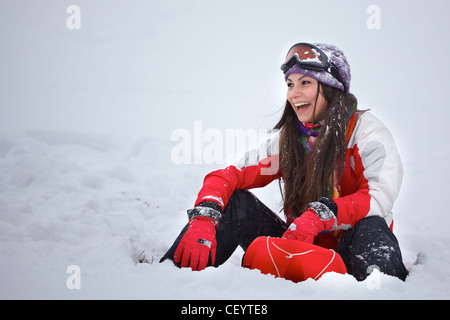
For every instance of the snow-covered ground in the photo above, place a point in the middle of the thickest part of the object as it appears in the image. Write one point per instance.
(87, 175)
(97, 201)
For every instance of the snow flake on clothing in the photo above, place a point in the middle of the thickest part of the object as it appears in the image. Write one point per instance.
(215, 199)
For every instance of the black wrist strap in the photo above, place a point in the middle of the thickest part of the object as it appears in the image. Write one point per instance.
(206, 209)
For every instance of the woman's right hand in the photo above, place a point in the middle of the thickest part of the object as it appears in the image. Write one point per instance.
(197, 244)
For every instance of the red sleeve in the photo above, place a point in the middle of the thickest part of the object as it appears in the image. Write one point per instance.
(218, 186)
(355, 202)
(353, 208)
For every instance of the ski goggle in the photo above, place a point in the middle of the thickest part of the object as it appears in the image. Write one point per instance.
(310, 57)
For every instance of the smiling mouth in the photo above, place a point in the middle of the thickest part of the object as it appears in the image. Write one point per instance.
(302, 105)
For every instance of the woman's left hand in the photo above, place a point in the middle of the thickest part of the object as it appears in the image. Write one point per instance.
(305, 228)
(319, 217)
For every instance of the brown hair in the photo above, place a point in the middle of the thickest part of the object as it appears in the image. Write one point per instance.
(309, 175)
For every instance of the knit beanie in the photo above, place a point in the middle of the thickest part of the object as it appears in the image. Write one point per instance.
(337, 57)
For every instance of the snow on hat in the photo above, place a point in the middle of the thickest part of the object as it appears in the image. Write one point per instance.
(336, 56)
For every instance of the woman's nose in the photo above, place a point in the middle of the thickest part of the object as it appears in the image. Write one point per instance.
(295, 93)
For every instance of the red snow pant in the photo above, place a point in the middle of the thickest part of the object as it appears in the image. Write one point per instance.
(370, 243)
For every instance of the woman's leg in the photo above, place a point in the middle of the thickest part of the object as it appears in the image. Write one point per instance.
(371, 244)
(244, 219)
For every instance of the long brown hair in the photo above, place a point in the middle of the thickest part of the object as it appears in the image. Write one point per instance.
(310, 175)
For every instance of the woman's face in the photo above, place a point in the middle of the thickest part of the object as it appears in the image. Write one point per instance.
(301, 93)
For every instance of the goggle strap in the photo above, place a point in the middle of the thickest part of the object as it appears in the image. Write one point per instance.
(335, 73)
(330, 68)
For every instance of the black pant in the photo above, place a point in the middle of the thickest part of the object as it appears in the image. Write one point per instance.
(370, 243)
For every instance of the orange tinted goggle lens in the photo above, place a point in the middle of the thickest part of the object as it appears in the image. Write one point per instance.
(304, 53)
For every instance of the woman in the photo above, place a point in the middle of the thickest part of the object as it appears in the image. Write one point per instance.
(341, 173)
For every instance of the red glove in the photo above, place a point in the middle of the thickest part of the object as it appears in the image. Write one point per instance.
(197, 243)
(319, 217)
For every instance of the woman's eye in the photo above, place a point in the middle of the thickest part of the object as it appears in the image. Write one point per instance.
(305, 82)
(290, 85)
